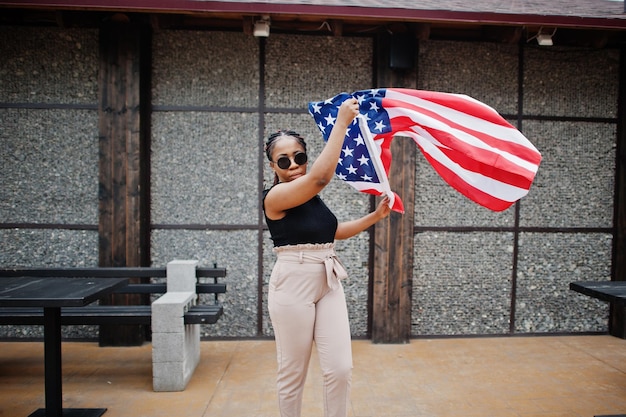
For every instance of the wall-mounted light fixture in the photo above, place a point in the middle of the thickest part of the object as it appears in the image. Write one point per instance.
(262, 27)
(544, 38)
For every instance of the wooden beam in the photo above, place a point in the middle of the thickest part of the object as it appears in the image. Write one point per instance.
(503, 34)
(337, 27)
(393, 253)
(617, 317)
(123, 176)
(422, 31)
(393, 237)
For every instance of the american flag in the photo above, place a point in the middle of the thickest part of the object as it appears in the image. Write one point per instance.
(468, 143)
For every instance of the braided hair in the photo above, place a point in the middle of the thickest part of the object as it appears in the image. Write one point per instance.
(271, 141)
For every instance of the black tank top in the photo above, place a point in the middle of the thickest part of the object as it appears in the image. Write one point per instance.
(311, 222)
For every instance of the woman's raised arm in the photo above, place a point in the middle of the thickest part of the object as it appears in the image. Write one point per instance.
(286, 195)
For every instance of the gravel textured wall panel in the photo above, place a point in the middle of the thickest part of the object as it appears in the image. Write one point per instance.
(48, 65)
(462, 283)
(547, 264)
(437, 204)
(204, 168)
(49, 151)
(49, 166)
(574, 184)
(484, 71)
(268, 263)
(571, 82)
(573, 189)
(48, 248)
(234, 250)
(354, 253)
(300, 69)
(205, 69)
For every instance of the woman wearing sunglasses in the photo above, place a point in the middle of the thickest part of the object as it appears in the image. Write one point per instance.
(306, 299)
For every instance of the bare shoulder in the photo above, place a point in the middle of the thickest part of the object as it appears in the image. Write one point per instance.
(284, 196)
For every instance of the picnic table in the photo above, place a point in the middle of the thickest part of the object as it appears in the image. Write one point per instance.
(52, 294)
(611, 291)
(178, 307)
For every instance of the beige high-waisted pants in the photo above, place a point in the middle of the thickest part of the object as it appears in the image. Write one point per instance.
(307, 304)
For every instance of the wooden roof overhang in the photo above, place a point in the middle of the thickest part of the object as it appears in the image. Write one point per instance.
(335, 19)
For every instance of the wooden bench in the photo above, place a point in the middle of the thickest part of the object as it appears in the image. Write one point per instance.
(175, 316)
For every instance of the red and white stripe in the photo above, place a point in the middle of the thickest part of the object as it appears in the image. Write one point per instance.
(468, 143)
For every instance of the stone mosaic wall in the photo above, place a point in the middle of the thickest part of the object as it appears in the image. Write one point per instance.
(205, 164)
(49, 150)
(548, 262)
(208, 165)
(573, 189)
(204, 168)
(462, 283)
(570, 82)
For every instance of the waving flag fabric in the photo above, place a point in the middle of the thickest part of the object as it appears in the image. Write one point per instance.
(468, 143)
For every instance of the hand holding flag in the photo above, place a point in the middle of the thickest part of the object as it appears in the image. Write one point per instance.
(468, 143)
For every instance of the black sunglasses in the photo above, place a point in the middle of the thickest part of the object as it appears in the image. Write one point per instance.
(299, 158)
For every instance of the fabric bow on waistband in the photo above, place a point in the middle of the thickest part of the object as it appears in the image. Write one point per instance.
(335, 271)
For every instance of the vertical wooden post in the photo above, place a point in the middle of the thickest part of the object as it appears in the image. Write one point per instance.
(123, 178)
(617, 319)
(393, 253)
(393, 247)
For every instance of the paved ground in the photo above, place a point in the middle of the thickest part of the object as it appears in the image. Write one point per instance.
(500, 377)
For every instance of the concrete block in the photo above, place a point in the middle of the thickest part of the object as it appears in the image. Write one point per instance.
(192, 346)
(175, 346)
(168, 347)
(175, 357)
(168, 376)
(169, 309)
(181, 275)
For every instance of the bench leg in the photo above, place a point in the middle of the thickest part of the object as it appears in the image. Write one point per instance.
(175, 345)
(53, 364)
(175, 357)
